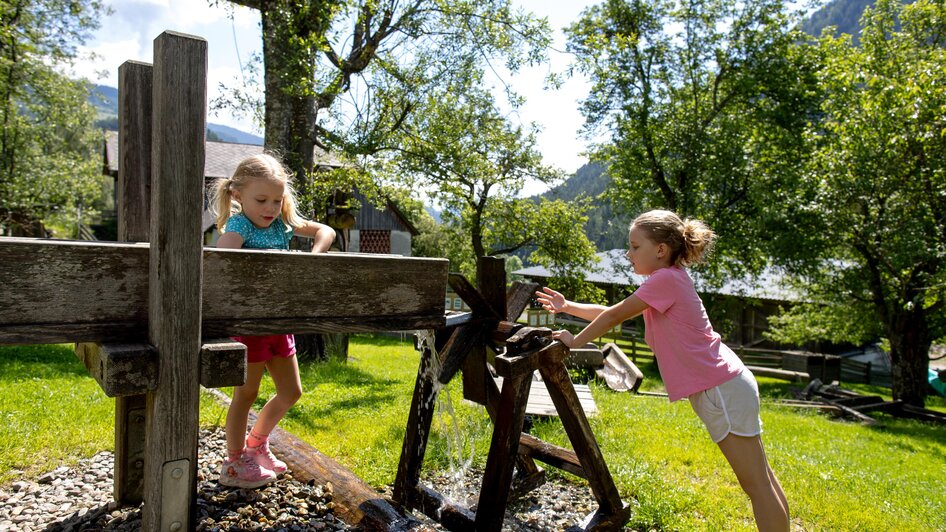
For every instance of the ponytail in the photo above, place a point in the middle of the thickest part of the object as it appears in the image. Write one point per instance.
(690, 241)
(221, 202)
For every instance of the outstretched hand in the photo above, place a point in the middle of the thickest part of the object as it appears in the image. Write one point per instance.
(550, 300)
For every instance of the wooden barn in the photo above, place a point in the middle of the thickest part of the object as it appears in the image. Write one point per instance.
(374, 231)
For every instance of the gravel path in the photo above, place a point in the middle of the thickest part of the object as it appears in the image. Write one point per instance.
(79, 499)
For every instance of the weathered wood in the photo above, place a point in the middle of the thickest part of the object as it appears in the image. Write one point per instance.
(497, 479)
(132, 369)
(553, 455)
(435, 505)
(66, 291)
(518, 297)
(618, 371)
(222, 363)
(584, 357)
(419, 419)
(576, 425)
(491, 283)
(134, 221)
(121, 369)
(454, 319)
(174, 279)
(479, 306)
(454, 353)
(789, 375)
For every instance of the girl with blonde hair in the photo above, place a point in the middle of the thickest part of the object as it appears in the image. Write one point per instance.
(256, 209)
(694, 362)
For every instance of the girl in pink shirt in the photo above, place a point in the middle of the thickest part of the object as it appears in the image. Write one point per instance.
(693, 361)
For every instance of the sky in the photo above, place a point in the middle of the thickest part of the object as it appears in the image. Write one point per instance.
(128, 34)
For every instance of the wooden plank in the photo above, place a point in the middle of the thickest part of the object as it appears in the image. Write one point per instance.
(503, 449)
(222, 363)
(419, 418)
(518, 297)
(553, 455)
(576, 425)
(174, 279)
(66, 291)
(491, 283)
(471, 296)
(134, 225)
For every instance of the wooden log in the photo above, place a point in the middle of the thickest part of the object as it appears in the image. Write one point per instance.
(174, 279)
(434, 505)
(553, 455)
(789, 375)
(134, 225)
(503, 449)
(121, 369)
(356, 503)
(68, 291)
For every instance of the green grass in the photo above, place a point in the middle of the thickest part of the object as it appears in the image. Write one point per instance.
(837, 475)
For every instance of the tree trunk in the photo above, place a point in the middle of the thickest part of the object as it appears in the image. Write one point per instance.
(909, 354)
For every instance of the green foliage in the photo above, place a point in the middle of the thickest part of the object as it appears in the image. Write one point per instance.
(49, 160)
(704, 102)
(871, 230)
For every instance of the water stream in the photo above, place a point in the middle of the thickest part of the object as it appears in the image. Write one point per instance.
(446, 425)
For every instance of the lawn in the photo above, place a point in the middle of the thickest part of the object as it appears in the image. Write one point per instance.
(837, 475)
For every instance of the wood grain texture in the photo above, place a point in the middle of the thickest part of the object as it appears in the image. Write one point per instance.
(65, 291)
(174, 280)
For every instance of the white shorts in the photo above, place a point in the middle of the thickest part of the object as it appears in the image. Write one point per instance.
(731, 407)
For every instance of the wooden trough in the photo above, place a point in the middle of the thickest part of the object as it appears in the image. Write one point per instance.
(144, 314)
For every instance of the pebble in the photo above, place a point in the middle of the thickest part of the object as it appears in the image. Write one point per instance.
(80, 499)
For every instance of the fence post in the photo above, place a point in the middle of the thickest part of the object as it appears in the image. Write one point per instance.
(174, 303)
(134, 198)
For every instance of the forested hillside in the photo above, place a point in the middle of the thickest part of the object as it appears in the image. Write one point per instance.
(604, 227)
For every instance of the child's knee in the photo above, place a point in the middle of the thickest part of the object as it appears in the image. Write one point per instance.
(291, 396)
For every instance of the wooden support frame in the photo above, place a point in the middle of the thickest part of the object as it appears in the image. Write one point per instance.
(526, 350)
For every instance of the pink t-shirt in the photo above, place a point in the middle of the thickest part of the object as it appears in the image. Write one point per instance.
(691, 356)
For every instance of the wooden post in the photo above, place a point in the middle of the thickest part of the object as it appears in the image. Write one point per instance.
(134, 208)
(174, 306)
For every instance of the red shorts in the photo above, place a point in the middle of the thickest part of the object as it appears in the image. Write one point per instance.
(263, 348)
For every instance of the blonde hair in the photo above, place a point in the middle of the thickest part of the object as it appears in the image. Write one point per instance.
(690, 241)
(261, 166)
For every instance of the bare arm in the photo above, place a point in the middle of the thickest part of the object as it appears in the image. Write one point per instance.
(631, 307)
(321, 234)
(555, 302)
(230, 240)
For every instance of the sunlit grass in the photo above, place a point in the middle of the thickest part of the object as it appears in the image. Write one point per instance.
(838, 475)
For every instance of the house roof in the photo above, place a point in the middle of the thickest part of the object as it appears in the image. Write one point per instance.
(614, 268)
(221, 158)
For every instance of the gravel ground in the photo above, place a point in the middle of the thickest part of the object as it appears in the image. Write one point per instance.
(79, 499)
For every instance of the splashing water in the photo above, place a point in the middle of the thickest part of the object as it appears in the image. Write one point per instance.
(447, 425)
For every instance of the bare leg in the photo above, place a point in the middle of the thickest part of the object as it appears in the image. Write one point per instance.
(240, 405)
(748, 461)
(285, 375)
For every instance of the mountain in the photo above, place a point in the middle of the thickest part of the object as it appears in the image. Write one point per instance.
(844, 14)
(606, 228)
(105, 101)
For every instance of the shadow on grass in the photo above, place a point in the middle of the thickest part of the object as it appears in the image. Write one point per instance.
(39, 361)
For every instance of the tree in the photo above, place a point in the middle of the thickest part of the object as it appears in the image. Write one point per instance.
(705, 103)
(48, 147)
(874, 197)
(467, 156)
(380, 55)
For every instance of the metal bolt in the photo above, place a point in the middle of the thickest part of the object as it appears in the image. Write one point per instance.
(175, 526)
(177, 473)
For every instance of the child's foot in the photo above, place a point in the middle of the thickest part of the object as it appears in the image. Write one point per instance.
(245, 473)
(265, 458)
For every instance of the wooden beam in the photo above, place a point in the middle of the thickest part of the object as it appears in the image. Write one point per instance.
(174, 280)
(135, 85)
(553, 455)
(471, 296)
(518, 297)
(121, 369)
(67, 291)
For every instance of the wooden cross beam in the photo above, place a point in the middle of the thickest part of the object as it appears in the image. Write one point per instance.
(68, 291)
